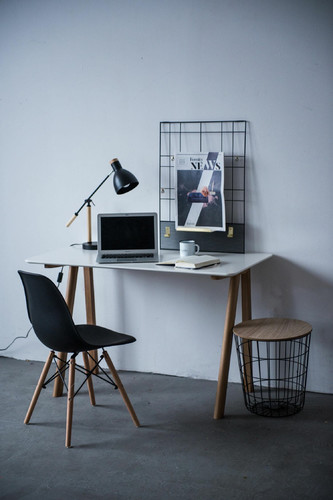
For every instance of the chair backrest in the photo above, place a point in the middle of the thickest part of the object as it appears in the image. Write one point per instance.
(49, 314)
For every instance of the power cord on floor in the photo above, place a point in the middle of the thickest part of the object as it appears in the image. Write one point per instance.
(59, 280)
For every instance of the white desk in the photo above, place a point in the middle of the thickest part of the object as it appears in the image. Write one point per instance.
(235, 267)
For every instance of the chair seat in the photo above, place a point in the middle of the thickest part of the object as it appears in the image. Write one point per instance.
(97, 336)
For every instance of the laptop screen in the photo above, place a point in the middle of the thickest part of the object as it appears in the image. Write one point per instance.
(130, 232)
(127, 234)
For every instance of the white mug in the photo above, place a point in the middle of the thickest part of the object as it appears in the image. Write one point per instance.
(188, 247)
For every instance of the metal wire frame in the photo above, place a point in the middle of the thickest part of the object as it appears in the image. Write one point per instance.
(278, 374)
(176, 133)
(228, 136)
(61, 370)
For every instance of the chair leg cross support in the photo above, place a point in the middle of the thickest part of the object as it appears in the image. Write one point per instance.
(60, 371)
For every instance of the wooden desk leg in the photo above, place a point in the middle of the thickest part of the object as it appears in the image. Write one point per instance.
(226, 347)
(246, 296)
(246, 315)
(70, 296)
(90, 303)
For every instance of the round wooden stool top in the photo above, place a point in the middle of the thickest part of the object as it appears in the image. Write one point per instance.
(272, 329)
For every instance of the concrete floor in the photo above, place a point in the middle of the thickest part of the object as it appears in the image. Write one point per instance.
(180, 452)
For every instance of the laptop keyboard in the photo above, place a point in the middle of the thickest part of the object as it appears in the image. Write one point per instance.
(126, 256)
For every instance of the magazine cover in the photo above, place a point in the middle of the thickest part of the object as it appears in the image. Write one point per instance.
(200, 191)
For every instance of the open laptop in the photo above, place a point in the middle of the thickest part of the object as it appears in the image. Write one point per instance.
(127, 238)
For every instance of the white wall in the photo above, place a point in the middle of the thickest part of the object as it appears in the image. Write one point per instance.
(83, 81)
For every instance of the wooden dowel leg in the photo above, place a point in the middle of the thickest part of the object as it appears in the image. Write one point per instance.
(246, 296)
(70, 296)
(39, 386)
(90, 303)
(70, 402)
(121, 388)
(89, 222)
(89, 380)
(71, 287)
(246, 315)
(226, 347)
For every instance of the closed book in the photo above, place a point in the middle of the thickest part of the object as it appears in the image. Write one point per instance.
(193, 261)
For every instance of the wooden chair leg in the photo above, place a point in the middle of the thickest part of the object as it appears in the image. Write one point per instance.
(89, 381)
(121, 388)
(70, 402)
(39, 386)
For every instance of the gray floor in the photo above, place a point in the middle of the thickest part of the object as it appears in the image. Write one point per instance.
(180, 452)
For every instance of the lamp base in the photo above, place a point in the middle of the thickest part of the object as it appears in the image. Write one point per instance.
(89, 245)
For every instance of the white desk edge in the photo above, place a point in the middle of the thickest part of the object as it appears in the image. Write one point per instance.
(231, 263)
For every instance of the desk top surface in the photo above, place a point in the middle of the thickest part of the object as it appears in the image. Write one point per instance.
(231, 263)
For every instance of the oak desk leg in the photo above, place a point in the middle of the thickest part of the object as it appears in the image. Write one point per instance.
(70, 296)
(246, 296)
(90, 303)
(226, 347)
(246, 315)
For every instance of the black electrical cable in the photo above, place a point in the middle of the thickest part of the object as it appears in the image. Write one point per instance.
(24, 337)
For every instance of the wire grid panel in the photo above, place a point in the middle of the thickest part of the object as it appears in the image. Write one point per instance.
(197, 137)
(274, 375)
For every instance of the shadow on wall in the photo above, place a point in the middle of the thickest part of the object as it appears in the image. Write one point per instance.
(284, 288)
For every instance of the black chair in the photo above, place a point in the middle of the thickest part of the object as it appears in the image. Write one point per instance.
(54, 326)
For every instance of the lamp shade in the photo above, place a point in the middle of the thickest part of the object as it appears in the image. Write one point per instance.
(123, 180)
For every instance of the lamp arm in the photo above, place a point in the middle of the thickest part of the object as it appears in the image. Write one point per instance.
(101, 184)
(87, 201)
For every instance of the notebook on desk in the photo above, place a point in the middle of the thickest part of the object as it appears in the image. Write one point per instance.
(127, 238)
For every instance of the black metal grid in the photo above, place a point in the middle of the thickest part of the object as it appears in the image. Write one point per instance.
(204, 136)
(274, 375)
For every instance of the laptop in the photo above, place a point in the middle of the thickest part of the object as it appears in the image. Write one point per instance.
(127, 238)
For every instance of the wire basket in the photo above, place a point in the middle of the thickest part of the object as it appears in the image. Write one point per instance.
(274, 375)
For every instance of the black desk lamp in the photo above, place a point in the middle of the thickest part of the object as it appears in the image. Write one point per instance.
(123, 181)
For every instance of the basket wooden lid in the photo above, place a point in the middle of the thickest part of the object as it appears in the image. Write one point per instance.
(272, 329)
